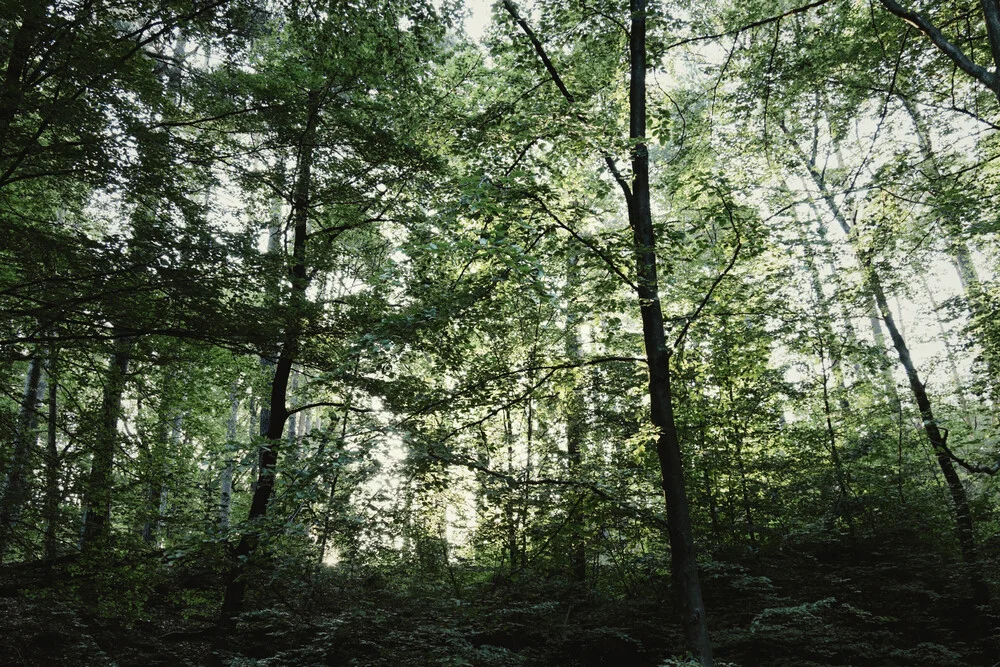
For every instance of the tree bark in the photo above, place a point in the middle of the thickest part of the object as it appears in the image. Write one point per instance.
(277, 407)
(52, 494)
(97, 503)
(682, 551)
(991, 16)
(576, 421)
(15, 483)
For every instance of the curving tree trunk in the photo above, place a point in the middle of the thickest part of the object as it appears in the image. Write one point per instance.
(960, 502)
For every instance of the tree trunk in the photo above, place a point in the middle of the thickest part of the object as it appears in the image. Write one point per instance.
(277, 407)
(97, 502)
(52, 494)
(576, 421)
(226, 478)
(809, 162)
(682, 551)
(964, 523)
(510, 516)
(15, 483)
(827, 333)
(961, 257)
(963, 514)
(684, 564)
(949, 351)
(844, 503)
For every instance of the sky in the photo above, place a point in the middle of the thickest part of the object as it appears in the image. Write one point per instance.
(479, 17)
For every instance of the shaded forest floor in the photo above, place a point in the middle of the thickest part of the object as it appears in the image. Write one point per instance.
(884, 603)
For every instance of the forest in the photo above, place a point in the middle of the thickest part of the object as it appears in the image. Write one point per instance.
(513, 333)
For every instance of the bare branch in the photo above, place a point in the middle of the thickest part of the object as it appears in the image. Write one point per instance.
(589, 244)
(969, 467)
(327, 404)
(554, 74)
(718, 279)
(749, 26)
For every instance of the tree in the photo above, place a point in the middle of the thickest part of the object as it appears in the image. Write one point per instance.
(327, 89)
(685, 567)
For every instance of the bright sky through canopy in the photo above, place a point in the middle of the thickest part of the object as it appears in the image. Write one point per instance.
(478, 18)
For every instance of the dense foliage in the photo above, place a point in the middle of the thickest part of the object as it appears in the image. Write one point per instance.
(334, 335)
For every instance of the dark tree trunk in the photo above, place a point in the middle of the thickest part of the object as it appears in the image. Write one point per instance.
(97, 502)
(226, 477)
(168, 439)
(510, 516)
(682, 551)
(963, 514)
(15, 482)
(960, 500)
(273, 424)
(52, 494)
(576, 421)
(684, 565)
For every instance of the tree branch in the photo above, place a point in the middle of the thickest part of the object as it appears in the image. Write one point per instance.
(327, 404)
(970, 467)
(549, 481)
(718, 279)
(749, 26)
(600, 253)
(957, 56)
(554, 74)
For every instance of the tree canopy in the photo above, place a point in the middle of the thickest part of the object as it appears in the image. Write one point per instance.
(640, 333)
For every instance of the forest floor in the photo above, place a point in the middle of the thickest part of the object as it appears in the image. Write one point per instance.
(835, 604)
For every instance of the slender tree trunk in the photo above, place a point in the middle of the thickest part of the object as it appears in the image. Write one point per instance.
(949, 351)
(713, 507)
(826, 319)
(991, 16)
(809, 162)
(576, 421)
(961, 255)
(684, 564)
(277, 407)
(52, 494)
(15, 482)
(963, 513)
(838, 467)
(341, 442)
(510, 516)
(682, 551)
(226, 477)
(100, 483)
(156, 454)
(529, 443)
